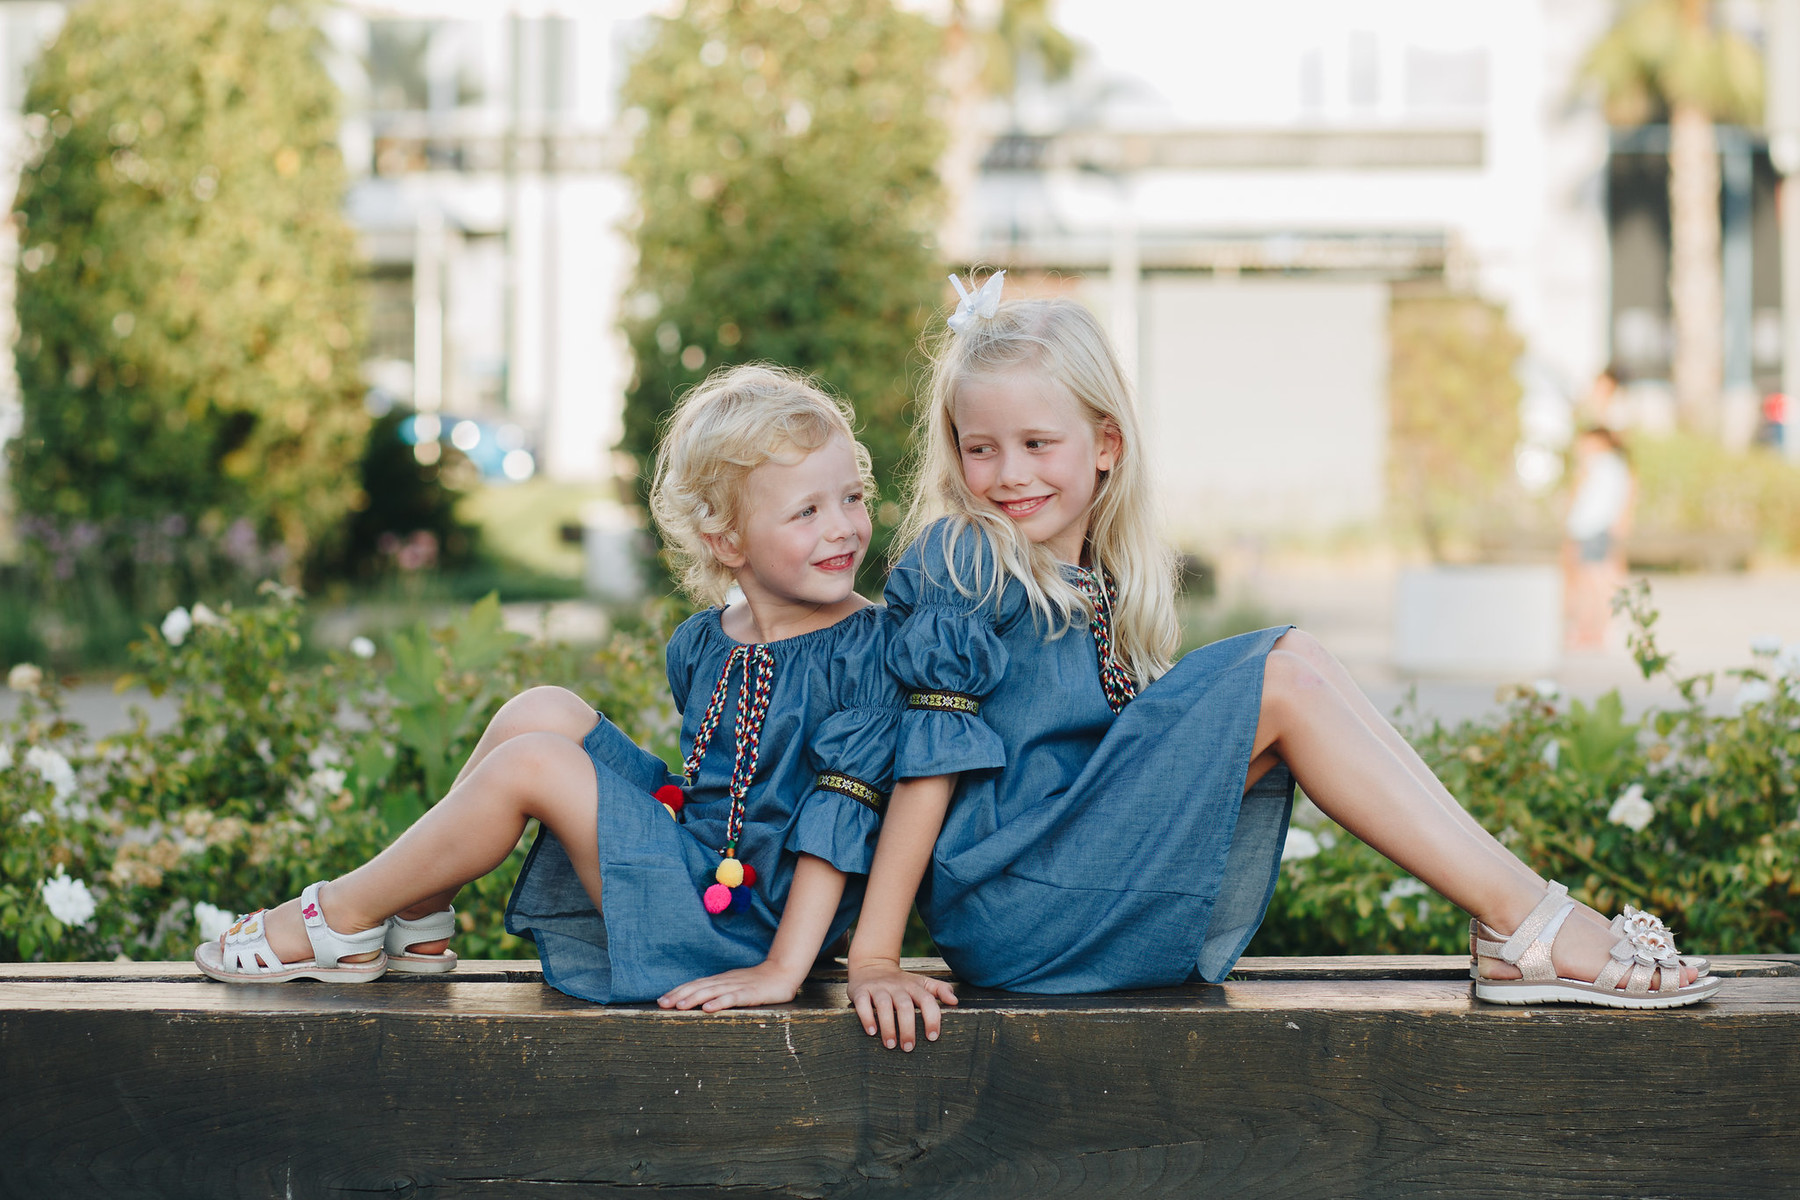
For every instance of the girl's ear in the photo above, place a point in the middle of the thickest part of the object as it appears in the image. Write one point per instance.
(1108, 444)
(724, 547)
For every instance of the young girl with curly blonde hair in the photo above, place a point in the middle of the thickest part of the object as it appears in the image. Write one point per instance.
(711, 888)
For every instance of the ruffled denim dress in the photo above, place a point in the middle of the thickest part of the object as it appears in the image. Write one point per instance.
(824, 765)
(1084, 850)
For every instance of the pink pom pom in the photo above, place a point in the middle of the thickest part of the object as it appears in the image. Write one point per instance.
(749, 874)
(717, 899)
(671, 795)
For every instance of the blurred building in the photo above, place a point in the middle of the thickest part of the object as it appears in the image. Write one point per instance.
(1237, 189)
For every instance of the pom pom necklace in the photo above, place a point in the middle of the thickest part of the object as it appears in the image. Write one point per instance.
(731, 880)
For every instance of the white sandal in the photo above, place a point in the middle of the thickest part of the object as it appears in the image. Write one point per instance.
(243, 954)
(432, 927)
(1644, 961)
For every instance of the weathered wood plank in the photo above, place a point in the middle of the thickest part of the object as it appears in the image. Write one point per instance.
(1267, 1086)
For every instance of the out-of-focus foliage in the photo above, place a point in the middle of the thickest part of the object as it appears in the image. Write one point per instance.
(786, 170)
(1687, 812)
(1453, 401)
(261, 786)
(401, 503)
(1652, 58)
(188, 302)
(1026, 34)
(1691, 486)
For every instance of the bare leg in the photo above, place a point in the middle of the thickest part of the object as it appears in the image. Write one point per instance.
(1333, 672)
(464, 836)
(1360, 782)
(535, 710)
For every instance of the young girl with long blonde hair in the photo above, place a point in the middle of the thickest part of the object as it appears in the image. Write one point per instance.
(713, 888)
(1077, 813)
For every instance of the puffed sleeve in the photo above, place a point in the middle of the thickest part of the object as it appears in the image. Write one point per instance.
(945, 654)
(851, 753)
(678, 659)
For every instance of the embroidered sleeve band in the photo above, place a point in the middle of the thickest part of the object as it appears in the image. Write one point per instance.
(849, 785)
(960, 702)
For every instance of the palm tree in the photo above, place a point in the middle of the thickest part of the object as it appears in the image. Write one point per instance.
(1666, 59)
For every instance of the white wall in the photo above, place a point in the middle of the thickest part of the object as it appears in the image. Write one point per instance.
(1266, 401)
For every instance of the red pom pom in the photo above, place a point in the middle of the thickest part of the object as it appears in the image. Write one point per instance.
(671, 795)
(717, 899)
(749, 874)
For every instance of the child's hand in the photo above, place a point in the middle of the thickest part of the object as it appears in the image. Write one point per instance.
(765, 983)
(885, 997)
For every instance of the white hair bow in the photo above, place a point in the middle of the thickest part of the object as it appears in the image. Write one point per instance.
(981, 303)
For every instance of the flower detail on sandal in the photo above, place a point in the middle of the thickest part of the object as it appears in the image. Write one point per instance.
(1634, 924)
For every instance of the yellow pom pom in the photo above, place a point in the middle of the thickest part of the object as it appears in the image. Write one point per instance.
(671, 813)
(730, 872)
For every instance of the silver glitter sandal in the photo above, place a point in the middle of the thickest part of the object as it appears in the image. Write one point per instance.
(1645, 962)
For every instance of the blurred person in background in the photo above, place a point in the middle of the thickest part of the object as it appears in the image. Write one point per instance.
(1594, 550)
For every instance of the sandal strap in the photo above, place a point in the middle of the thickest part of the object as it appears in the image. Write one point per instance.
(432, 927)
(244, 949)
(330, 946)
(1547, 909)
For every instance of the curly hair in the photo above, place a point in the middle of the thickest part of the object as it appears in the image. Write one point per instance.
(733, 423)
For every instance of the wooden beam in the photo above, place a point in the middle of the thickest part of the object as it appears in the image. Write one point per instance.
(139, 1080)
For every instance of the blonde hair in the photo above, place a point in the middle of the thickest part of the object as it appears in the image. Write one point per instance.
(1061, 341)
(731, 424)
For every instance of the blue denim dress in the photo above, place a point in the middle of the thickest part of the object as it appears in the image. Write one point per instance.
(824, 765)
(1083, 851)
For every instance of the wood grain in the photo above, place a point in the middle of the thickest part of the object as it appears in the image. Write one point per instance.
(148, 1082)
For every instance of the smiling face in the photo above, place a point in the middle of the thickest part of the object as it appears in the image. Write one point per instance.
(802, 531)
(1028, 450)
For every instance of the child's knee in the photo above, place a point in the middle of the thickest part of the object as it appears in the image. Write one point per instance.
(545, 709)
(1305, 645)
(1289, 677)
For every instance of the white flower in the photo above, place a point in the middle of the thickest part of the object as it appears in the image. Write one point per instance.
(1549, 689)
(1300, 844)
(362, 647)
(175, 626)
(328, 781)
(1402, 889)
(212, 920)
(54, 768)
(5, 756)
(203, 615)
(24, 677)
(1765, 645)
(1552, 753)
(1750, 693)
(1631, 809)
(68, 900)
(32, 818)
(324, 755)
(1788, 661)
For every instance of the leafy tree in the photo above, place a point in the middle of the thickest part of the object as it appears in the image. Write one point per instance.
(1453, 411)
(786, 175)
(187, 293)
(1668, 60)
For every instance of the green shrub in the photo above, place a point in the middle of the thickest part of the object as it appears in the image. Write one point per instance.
(1688, 812)
(1692, 486)
(272, 776)
(188, 295)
